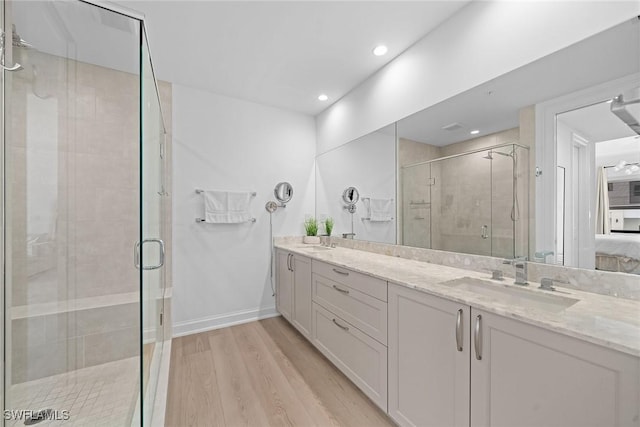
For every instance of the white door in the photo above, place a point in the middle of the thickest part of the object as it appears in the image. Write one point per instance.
(429, 350)
(522, 375)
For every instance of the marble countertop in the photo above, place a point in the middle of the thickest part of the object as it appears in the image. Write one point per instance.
(599, 319)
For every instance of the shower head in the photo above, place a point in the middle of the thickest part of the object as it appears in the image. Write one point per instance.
(490, 154)
(503, 154)
(628, 110)
(18, 41)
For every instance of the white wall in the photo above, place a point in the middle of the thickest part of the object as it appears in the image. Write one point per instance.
(483, 41)
(369, 164)
(221, 272)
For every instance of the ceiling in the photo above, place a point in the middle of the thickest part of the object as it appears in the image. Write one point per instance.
(609, 153)
(286, 53)
(495, 105)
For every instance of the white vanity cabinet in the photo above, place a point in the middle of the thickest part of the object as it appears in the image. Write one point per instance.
(350, 326)
(293, 290)
(529, 376)
(496, 371)
(429, 349)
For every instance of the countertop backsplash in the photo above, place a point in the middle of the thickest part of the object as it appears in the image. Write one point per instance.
(601, 282)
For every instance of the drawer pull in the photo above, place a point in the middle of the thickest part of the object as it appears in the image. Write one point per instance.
(340, 326)
(459, 331)
(344, 291)
(344, 273)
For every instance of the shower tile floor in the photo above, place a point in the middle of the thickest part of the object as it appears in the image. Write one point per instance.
(102, 395)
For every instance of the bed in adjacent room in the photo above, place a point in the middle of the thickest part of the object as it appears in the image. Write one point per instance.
(618, 252)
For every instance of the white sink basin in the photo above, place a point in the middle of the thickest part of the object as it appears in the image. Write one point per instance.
(316, 248)
(514, 296)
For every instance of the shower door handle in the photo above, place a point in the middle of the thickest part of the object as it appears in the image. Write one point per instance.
(16, 67)
(485, 232)
(136, 254)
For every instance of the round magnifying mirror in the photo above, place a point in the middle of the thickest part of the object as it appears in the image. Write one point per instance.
(283, 192)
(351, 195)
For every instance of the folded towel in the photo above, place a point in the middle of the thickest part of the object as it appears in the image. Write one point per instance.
(226, 207)
(380, 209)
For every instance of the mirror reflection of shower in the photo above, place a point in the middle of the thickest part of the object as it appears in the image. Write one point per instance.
(515, 208)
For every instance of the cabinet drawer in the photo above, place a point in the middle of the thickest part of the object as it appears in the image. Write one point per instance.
(361, 358)
(361, 310)
(366, 284)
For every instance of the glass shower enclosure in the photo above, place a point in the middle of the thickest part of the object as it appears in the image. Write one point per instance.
(83, 144)
(474, 202)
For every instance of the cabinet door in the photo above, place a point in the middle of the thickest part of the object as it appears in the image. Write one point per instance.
(284, 282)
(302, 295)
(428, 371)
(528, 376)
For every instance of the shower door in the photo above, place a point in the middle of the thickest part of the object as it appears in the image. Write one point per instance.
(152, 248)
(82, 247)
(461, 204)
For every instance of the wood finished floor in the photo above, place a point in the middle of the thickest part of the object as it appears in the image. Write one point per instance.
(261, 374)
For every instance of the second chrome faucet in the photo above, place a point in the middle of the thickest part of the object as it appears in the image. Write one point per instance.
(520, 264)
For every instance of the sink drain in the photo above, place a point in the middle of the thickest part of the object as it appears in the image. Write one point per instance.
(38, 416)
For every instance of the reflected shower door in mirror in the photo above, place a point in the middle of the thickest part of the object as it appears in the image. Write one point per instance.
(367, 164)
(470, 202)
(598, 146)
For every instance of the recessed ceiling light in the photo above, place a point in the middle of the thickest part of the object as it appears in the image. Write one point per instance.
(322, 97)
(380, 50)
(474, 132)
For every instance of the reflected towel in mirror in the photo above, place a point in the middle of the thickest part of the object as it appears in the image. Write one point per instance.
(379, 209)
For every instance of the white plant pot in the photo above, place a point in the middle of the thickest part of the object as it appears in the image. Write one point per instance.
(311, 240)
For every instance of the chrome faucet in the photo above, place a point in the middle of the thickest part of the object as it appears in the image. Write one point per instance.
(496, 274)
(520, 264)
(546, 283)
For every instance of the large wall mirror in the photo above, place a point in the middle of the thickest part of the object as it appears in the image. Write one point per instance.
(366, 167)
(540, 163)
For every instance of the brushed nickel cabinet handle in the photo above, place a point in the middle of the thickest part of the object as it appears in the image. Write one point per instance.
(344, 273)
(340, 326)
(344, 291)
(477, 337)
(459, 330)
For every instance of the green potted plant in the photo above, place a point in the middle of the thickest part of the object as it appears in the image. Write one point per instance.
(328, 225)
(311, 228)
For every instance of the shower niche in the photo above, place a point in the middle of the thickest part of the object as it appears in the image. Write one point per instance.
(474, 201)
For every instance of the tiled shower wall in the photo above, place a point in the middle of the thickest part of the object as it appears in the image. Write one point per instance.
(73, 151)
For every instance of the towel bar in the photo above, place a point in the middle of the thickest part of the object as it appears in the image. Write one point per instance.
(249, 220)
(369, 198)
(386, 220)
(199, 191)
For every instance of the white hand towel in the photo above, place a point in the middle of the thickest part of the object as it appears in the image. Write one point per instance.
(380, 210)
(226, 207)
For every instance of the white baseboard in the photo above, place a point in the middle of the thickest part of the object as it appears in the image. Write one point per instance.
(222, 321)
